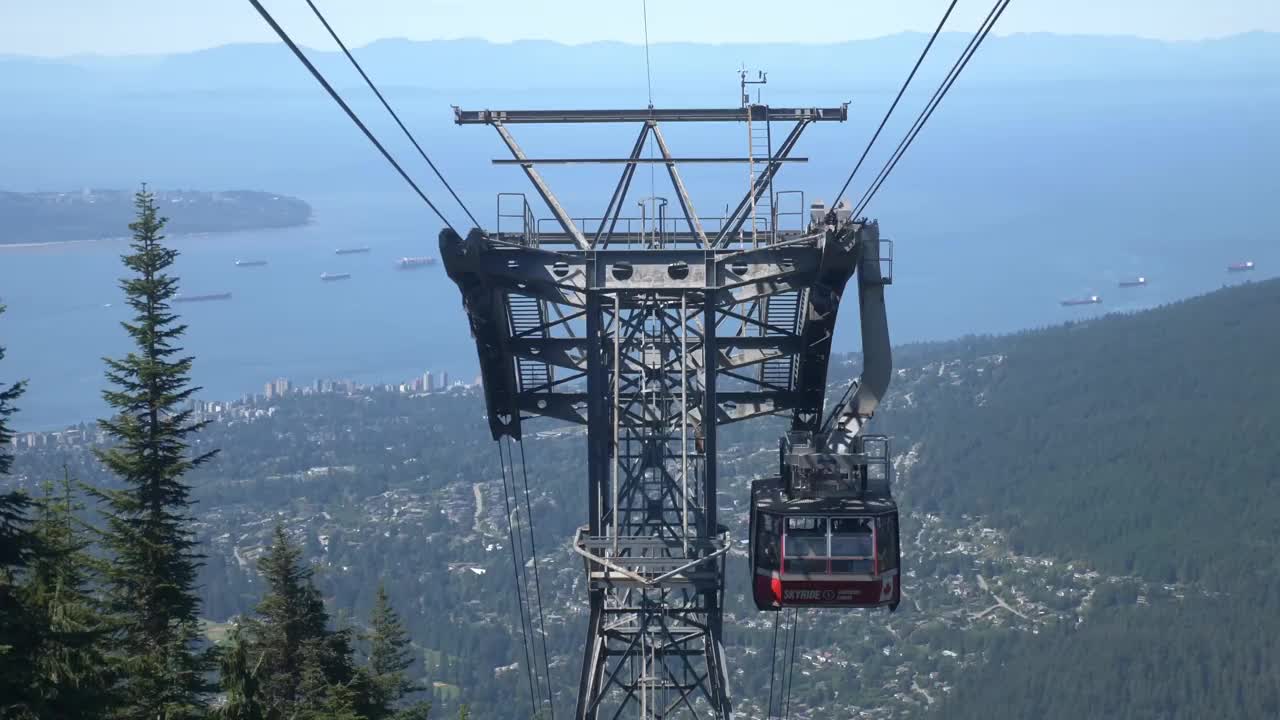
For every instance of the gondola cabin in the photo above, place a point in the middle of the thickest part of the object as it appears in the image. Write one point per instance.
(823, 552)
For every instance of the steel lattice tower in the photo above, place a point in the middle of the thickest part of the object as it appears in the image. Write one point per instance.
(653, 334)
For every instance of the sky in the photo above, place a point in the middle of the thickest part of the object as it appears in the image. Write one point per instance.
(54, 28)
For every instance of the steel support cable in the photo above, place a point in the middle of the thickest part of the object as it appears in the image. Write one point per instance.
(515, 568)
(773, 664)
(394, 116)
(537, 583)
(894, 105)
(782, 674)
(791, 673)
(786, 650)
(970, 50)
(524, 572)
(347, 109)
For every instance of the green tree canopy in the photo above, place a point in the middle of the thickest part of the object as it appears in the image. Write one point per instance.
(301, 661)
(72, 673)
(17, 546)
(151, 579)
(16, 540)
(240, 680)
(390, 656)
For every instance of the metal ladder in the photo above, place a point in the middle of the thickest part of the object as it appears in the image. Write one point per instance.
(760, 152)
(783, 312)
(528, 319)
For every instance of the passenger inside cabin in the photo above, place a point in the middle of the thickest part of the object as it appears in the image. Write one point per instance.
(852, 546)
(806, 545)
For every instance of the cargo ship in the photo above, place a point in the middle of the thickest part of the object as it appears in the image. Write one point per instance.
(250, 263)
(202, 298)
(1090, 300)
(408, 263)
(1139, 281)
(330, 277)
(351, 251)
(1245, 266)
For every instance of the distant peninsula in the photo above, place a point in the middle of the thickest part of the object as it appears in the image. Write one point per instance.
(48, 217)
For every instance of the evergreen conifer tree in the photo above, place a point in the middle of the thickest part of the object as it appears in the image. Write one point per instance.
(72, 676)
(152, 573)
(15, 536)
(301, 660)
(389, 657)
(17, 546)
(321, 697)
(16, 540)
(289, 614)
(240, 681)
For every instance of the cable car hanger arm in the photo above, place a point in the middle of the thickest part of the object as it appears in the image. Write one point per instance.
(854, 411)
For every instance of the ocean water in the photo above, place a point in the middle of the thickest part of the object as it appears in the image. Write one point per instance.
(381, 325)
(390, 325)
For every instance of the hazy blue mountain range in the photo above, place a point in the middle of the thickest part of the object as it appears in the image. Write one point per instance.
(1023, 59)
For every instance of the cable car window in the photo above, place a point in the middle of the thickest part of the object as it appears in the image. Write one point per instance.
(768, 535)
(852, 546)
(887, 547)
(805, 545)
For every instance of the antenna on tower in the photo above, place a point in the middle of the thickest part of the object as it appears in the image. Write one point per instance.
(762, 78)
(759, 149)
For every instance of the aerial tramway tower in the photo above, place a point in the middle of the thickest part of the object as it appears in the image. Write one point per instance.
(654, 332)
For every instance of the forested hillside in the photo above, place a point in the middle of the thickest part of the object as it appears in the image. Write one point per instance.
(1143, 444)
(1111, 481)
(1133, 441)
(1202, 657)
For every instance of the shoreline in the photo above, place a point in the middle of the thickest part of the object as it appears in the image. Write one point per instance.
(53, 243)
(177, 236)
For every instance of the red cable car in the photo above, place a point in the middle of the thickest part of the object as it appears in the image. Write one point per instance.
(824, 548)
(824, 533)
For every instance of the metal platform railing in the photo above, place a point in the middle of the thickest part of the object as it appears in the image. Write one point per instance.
(526, 226)
(653, 561)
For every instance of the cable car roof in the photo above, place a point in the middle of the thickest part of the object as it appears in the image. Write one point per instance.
(776, 503)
